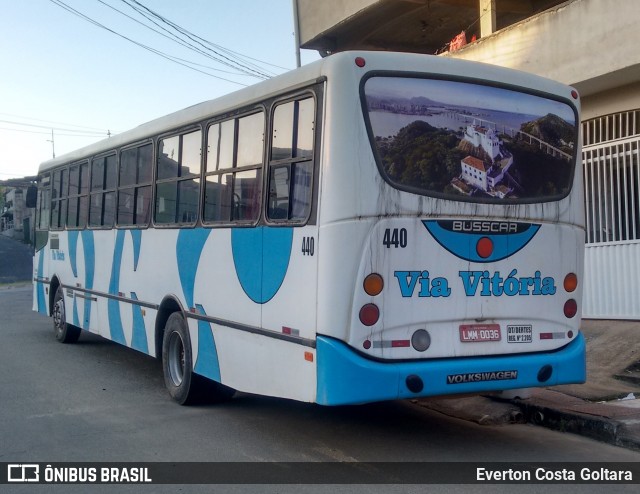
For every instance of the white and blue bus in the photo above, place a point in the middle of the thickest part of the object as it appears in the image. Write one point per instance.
(372, 226)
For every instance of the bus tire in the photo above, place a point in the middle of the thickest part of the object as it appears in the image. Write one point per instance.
(184, 386)
(65, 333)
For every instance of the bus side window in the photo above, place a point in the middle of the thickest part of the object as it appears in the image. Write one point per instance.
(43, 211)
(291, 161)
(178, 182)
(233, 181)
(77, 209)
(102, 201)
(59, 189)
(134, 193)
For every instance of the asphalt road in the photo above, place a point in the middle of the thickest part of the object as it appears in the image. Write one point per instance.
(98, 401)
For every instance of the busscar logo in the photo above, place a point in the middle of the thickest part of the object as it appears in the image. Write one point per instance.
(475, 377)
(23, 472)
(484, 227)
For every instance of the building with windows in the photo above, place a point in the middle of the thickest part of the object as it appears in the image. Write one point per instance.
(588, 44)
(15, 217)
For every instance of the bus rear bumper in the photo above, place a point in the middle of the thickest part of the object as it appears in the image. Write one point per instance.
(346, 377)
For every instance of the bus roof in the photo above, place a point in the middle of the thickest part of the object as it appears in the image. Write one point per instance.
(308, 74)
(243, 97)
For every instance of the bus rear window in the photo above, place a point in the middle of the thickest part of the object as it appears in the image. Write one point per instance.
(467, 141)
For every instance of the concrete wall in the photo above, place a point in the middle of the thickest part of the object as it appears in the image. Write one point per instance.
(615, 100)
(320, 16)
(589, 44)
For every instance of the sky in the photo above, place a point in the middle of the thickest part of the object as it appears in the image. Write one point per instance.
(62, 72)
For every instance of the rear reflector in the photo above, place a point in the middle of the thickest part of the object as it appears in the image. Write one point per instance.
(369, 314)
(484, 247)
(552, 336)
(399, 343)
(570, 308)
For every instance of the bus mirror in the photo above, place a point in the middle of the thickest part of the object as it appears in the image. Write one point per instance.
(32, 195)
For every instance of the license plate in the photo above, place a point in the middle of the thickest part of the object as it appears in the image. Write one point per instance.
(473, 333)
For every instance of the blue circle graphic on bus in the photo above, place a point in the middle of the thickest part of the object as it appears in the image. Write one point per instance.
(261, 258)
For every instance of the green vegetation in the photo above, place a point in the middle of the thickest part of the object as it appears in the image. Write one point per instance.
(421, 156)
(540, 174)
(552, 130)
(428, 158)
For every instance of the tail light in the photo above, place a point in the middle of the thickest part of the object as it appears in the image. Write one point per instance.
(570, 282)
(373, 284)
(570, 308)
(369, 314)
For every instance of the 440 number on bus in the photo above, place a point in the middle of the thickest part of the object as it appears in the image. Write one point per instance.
(471, 333)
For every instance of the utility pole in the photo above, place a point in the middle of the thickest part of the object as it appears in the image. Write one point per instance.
(53, 146)
(296, 31)
(487, 17)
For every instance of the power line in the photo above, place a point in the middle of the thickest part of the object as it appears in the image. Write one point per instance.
(175, 39)
(49, 133)
(85, 132)
(171, 58)
(196, 39)
(219, 47)
(52, 122)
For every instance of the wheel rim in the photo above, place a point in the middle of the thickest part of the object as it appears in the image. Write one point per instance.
(59, 316)
(176, 359)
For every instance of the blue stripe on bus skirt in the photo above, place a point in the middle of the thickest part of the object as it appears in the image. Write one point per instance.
(261, 257)
(42, 306)
(89, 250)
(189, 247)
(113, 306)
(139, 336)
(188, 251)
(72, 239)
(76, 319)
(136, 236)
(206, 362)
(88, 247)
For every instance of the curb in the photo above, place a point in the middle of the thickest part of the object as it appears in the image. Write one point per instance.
(616, 424)
(617, 431)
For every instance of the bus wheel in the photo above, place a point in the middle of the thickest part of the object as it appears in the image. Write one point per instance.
(65, 333)
(186, 387)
